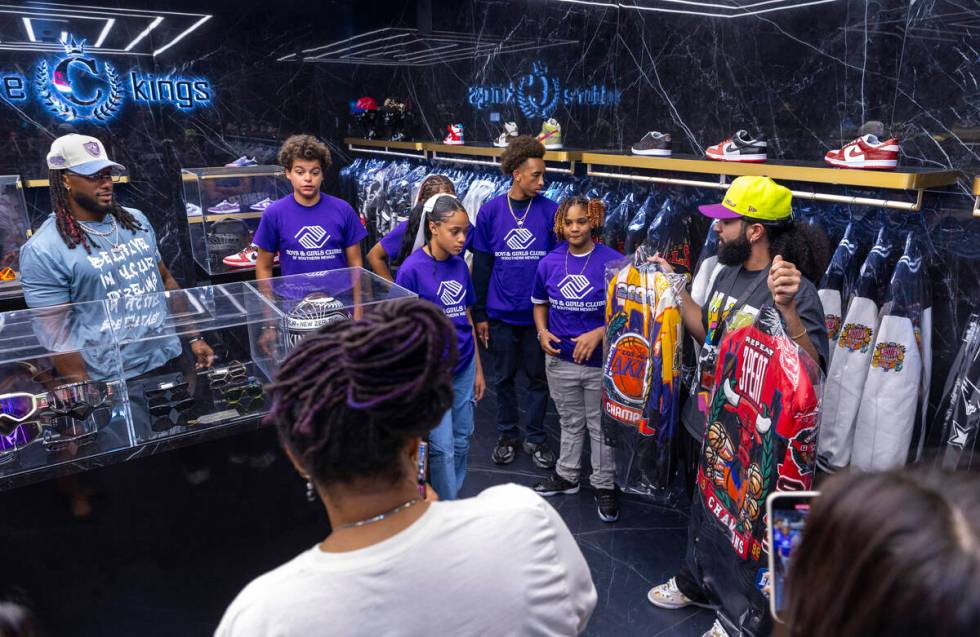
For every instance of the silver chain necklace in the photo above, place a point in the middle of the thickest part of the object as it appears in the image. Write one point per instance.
(92, 231)
(519, 220)
(567, 252)
(380, 516)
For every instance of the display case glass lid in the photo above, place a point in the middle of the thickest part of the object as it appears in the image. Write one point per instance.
(345, 288)
(218, 172)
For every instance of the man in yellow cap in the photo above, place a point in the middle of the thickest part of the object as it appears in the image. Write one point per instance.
(766, 258)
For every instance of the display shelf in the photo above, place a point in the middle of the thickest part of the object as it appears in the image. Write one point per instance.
(976, 193)
(215, 218)
(383, 143)
(903, 178)
(230, 172)
(44, 183)
(488, 150)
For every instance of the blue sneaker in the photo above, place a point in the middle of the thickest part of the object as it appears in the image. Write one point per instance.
(225, 208)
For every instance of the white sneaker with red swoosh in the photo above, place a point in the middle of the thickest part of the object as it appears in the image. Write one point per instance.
(865, 152)
(246, 258)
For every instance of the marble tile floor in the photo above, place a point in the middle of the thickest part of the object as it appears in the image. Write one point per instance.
(163, 557)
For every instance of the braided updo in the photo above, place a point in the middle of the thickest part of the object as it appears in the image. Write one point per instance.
(347, 399)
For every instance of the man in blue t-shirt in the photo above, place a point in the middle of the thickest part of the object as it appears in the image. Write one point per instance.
(310, 230)
(513, 232)
(92, 249)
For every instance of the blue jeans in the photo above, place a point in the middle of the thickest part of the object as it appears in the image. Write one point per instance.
(513, 346)
(449, 442)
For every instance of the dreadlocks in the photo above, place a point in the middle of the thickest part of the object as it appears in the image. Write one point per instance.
(594, 208)
(348, 398)
(68, 226)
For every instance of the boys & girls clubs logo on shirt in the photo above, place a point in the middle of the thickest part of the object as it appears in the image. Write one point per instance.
(452, 293)
(78, 87)
(312, 237)
(575, 286)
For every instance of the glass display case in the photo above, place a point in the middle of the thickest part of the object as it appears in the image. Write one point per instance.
(62, 399)
(223, 208)
(303, 303)
(14, 231)
(88, 384)
(192, 358)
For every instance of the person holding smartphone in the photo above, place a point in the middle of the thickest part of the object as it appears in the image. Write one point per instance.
(438, 274)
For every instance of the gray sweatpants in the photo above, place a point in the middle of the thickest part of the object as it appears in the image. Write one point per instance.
(577, 392)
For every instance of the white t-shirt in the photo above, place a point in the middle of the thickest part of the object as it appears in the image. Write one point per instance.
(501, 563)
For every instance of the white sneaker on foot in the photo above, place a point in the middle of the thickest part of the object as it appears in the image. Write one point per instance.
(670, 597)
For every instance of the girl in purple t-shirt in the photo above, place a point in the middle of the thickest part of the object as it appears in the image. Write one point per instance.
(392, 249)
(569, 297)
(438, 274)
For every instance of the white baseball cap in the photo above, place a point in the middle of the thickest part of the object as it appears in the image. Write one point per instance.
(81, 154)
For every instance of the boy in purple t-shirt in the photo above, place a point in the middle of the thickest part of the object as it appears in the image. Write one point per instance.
(513, 232)
(310, 230)
(438, 274)
(569, 299)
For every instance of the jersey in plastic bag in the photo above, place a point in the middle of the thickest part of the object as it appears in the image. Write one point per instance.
(761, 437)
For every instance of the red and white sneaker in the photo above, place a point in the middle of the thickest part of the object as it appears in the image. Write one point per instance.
(866, 152)
(741, 147)
(246, 258)
(455, 136)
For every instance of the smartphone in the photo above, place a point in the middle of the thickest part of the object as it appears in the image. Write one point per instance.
(787, 512)
(423, 465)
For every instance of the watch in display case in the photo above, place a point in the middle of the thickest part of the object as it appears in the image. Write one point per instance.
(223, 207)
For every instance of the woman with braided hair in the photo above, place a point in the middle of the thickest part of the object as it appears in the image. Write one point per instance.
(569, 298)
(351, 406)
(395, 246)
(438, 274)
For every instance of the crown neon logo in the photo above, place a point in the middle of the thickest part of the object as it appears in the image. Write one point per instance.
(71, 99)
(538, 94)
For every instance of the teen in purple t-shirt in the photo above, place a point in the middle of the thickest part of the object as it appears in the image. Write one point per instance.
(569, 313)
(439, 275)
(310, 230)
(391, 250)
(513, 232)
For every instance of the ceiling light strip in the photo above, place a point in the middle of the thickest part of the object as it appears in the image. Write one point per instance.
(144, 33)
(105, 10)
(105, 32)
(362, 44)
(356, 37)
(29, 29)
(182, 35)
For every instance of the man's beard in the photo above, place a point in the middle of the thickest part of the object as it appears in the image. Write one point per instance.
(91, 203)
(735, 252)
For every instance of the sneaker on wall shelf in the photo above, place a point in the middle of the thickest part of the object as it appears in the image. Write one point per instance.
(866, 152)
(653, 144)
(455, 136)
(507, 135)
(550, 135)
(741, 147)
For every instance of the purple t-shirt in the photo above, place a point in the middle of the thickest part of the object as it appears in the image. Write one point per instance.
(516, 252)
(576, 296)
(447, 284)
(392, 242)
(309, 238)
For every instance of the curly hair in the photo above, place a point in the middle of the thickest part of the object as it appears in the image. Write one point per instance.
(518, 151)
(68, 227)
(304, 147)
(594, 208)
(803, 245)
(348, 398)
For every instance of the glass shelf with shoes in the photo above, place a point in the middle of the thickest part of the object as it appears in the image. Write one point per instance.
(223, 207)
(63, 403)
(14, 232)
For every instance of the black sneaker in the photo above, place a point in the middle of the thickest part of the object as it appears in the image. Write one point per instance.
(541, 455)
(741, 147)
(505, 451)
(654, 143)
(555, 485)
(607, 502)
